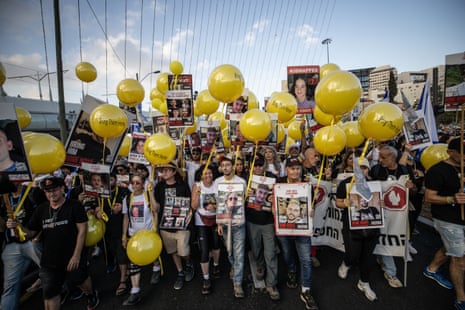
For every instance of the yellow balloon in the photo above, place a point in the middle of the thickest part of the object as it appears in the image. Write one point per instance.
(159, 149)
(325, 119)
(286, 124)
(86, 72)
(289, 142)
(434, 154)
(130, 92)
(252, 101)
(284, 104)
(45, 153)
(330, 140)
(24, 117)
(255, 125)
(381, 121)
(2, 74)
(163, 107)
(155, 93)
(197, 112)
(338, 92)
(205, 103)
(176, 67)
(218, 116)
(108, 121)
(353, 135)
(162, 82)
(293, 130)
(95, 230)
(156, 103)
(328, 68)
(191, 129)
(226, 141)
(226, 83)
(144, 247)
(281, 133)
(125, 146)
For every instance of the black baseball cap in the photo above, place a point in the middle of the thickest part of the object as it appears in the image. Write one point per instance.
(293, 161)
(51, 183)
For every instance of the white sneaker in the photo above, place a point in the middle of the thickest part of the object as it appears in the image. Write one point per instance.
(366, 289)
(411, 249)
(409, 257)
(343, 270)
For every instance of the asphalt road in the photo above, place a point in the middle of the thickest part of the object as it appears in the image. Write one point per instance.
(329, 291)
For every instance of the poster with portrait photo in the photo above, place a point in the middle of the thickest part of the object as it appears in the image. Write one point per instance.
(238, 106)
(160, 123)
(292, 209)
(364, 214)
(301, 83)
(235, 134)
(176, 213)
(14, 162)
(230, 204)
(136, 153)
(96, 180)
(210, 136)
(416, 133)
(206, 212)
(84, 146)
(261, 198)
(179, 99)
(272, 138)
(454, 82)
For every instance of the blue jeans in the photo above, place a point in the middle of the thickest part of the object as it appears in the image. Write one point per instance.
(16, 259)
(236, 256)
(389, 265)
(302, 245)
(265, 250)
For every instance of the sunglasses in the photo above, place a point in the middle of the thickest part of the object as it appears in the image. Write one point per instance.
(136, 183)
(232, 198)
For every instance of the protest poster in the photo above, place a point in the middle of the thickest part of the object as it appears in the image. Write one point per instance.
(230, 204)
(261, 198)
(176, 213)
(364, 214)
(96, 180)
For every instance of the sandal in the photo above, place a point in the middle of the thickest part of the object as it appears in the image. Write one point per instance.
(122, 289)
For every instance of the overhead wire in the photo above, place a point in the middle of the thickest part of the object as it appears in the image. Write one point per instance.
(153, 42)
(125, 34)
(172, 32)
(163, 38)
(193, 36)
(106, 50)
(80, 42)
(140, 37)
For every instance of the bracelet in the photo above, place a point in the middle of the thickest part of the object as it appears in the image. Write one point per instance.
(450, 200)
(124, 238)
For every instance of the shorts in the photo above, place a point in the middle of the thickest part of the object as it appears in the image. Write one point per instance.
(54, 278)
(176, 242)
(453, 237)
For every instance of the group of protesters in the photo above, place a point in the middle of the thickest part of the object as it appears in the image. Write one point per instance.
(50, 230)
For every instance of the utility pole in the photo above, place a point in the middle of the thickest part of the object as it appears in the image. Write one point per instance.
(327, 42)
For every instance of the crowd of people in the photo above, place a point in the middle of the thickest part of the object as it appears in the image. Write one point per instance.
(53, 218)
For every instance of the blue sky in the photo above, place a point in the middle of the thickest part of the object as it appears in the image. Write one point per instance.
(260, 37)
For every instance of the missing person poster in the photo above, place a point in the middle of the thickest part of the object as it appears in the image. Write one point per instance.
(230, 204)
(364, 214)
(292, 209)
(176, 213)
(136, 153)
(454, 82)
(96, 180)
(180, 101)
(261, 198)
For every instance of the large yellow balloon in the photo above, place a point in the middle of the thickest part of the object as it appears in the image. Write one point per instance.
(162, 82)
(95, 230)
(86, 71)
(434, 154)
(226, 83)
(381, 121)
(125, 146)
(281, 133)
(176, 67)
(197, 112)
(293, 130)
(24, 117)
(284, 104)
(330, 140)
(108, 121)
(328, 68)
(338, 92)
(205, 103)
(353, 135)
(144, 247)
(155, 93)
(44, 152)
(218, 116)
(255, 125)
(325, 119)
(2, 74)
(159, 149)
(130, 92)
(226, 141)
(252, 101)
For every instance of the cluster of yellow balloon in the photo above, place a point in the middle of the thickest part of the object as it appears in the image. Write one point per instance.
(255, 125)
(144, 247)
(86, 72)
(95, 230)
(330, 140)
(45, 153)
(381, 121)
(160, 105)
(328, 68)
(293, 130)
(159, 149)
(108, 121)
(125, 146)
(433, 154)
(24, 117)
(353, 135)
(284, 104)
(130, 92)
(206, 103)
(226, 83)
(162, 83)
(325, 119)
(252, 101)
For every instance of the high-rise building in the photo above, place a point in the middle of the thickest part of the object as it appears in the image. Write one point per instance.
(379, 82)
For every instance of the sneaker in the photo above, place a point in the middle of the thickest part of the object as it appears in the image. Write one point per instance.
(76, 294)
(292, 280)
(189, 273)
(366, 289)
(96, 252)
(393, 281)
(343, 270)
(132, 300)
(273, 292)
(411, 249)
(238, 291)
(459, 305)
(315, 262)
(439, 278)
(93, 301)
(216, 271)
(260, 274)
(179, 281)
(206, 287)
(64, 295)
(308, 300)
(155, 279)
(111, 268)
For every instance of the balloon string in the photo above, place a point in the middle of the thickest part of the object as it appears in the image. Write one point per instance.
(365, 148)
(251, 169)
(213, 150)
(21, 202)
(174, 82)
(100, 205)
(104, 147)
(320, 174)
(352, 180)
(182, 138)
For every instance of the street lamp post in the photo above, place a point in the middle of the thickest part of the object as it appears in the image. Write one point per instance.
(38, 78)
(154, 72)
(327, 42)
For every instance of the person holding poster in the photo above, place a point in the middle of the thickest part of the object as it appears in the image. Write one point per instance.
(299, 244)
(359, 244)
(7, 164)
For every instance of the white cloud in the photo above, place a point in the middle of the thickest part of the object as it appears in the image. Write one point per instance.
(249, 38)
(308, 34)
(260, 25)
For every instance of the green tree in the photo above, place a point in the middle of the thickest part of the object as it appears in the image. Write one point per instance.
(392, 86)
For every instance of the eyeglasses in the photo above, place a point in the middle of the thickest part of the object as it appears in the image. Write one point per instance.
(136, 183)
(195, 153)
(232, 198)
